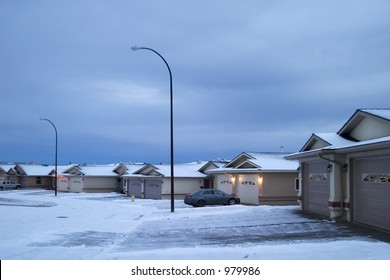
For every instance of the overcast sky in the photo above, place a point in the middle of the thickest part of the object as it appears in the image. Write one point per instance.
(247, 76)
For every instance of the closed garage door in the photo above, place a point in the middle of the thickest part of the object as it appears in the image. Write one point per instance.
(248, 189)
(134, 188)
(316, 188)
(76, 184)
(371, 192)
(153, 188)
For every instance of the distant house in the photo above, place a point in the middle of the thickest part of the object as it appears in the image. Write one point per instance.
(259, 178)
(154, 180)
(346, 175)
(8, 173)
(91, 178)
(35, 176)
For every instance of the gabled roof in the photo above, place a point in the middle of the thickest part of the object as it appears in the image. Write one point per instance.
(183, 170)
(212, 164)
(8, 168)
(265, 162)
(34, 170)
(94, 170)
(321, 140)
(367, 129)
(131, 168)
(380, 116)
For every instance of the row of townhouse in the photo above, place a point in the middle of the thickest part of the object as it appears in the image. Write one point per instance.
(257, 178)
(343, 175)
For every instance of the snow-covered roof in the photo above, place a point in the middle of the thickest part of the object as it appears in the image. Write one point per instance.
(6, 167)
(327, 139)
(273, 161)
(36, 170)
(383, 113)
(342, 148)
(131, 168)
(98, 170)
(340, 142)
(257, 161)
(185, 170)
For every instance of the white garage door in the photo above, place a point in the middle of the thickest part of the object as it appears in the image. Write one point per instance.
(371, 192)
(248, 189)
(316, 188)
(76, 184)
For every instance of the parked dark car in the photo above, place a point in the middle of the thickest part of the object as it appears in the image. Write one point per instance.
(210, 197)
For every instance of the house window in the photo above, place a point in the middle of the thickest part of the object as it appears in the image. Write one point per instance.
(382, 178)
(226, 182)
(297, 184)
(318, 176)
(38, 180)
(248, 183)
(376, 177)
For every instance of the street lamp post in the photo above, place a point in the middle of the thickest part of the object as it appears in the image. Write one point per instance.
(55, 168)
(135, 48)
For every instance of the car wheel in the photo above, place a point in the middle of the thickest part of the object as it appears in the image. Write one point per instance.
(232, 201)
(200, 203)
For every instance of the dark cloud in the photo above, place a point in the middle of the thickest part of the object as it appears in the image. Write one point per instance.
(248, 75)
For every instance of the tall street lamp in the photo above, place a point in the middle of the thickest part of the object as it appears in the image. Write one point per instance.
(55, 170)
(135, 48)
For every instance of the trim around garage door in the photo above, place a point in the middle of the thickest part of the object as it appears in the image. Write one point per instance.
(371, 191)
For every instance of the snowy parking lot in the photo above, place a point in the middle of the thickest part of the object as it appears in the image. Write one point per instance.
(35, 224)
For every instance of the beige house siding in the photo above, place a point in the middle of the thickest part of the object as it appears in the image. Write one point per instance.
(37, 181)
(100, 184)
(182, 186)
(278, 188)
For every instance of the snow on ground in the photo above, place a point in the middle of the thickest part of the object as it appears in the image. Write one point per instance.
(35, 224)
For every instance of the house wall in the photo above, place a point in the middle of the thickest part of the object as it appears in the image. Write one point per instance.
(37, 182)
(100, 184)
(182, 186)
(279, 188)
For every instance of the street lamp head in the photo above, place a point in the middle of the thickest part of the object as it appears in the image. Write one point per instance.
(135, 48)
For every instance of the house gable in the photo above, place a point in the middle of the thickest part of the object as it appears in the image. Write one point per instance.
(73, 170)
(315, 142)
(239, 160)
(148, 169)
(367, 124)
(210, 165)
(120, 169)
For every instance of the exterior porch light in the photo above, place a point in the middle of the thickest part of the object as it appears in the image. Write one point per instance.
(330, 166)
(135, 48)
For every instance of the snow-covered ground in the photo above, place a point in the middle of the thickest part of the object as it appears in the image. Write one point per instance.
(35, 224)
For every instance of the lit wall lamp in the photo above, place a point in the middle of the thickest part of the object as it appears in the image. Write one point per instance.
(330, 167)
(260, 179)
